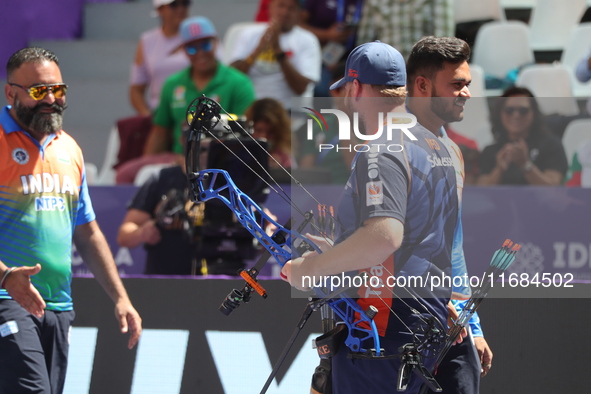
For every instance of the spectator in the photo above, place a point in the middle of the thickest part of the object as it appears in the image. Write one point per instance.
(161, 217)
(271, 122)
(47, 206)
(206, 76)
(402, 23)
(281, 58)
(334, 23)
(524, 153)
(158, 55)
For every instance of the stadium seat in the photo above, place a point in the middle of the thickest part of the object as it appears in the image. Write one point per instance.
(577, 48)
(577, 132)
(477, 86)
(552, 21)
(91, 173)
(502, 46)
(107, 174)
(147, 171)
(467, 11)
(551, 85)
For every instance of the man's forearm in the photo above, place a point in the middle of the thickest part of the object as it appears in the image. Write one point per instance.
(296, 81)
(94, 250)
(370, 245)
(242, 65)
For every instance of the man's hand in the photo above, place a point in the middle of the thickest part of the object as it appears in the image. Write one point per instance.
(19, 287)
(150, 233)
(503, 157)
(268, 41)
(339, 32)
(129, 320)
(519, 153)
(293, 271)
(484, 353)
(452, 317)
(323, 243)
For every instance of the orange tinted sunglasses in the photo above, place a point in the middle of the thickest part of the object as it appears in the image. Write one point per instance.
(38, 92)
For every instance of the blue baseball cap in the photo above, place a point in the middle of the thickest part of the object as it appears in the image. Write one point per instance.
(196, 28)
(374, 63)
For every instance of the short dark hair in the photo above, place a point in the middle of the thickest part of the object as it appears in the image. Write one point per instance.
(429, 55)
(29, 55)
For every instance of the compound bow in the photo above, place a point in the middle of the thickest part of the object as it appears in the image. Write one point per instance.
(203, 114)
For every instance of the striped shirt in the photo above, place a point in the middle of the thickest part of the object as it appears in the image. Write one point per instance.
(401, 23)
(43, 196)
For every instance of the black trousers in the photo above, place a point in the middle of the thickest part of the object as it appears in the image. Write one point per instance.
(459, 372)
(33, 352)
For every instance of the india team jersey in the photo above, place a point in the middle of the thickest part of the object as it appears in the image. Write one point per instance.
(43, 196)
(417, 186)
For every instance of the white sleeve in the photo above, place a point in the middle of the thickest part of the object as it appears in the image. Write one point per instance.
(244, 45)
(308, 61)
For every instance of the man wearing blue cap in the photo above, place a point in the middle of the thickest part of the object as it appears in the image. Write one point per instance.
(206, 75)
(398, 213)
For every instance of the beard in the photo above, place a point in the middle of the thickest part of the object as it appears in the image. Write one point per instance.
(41, 122)
(444, 107)
(353, 112)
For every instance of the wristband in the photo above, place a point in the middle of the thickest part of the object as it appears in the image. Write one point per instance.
(280, 56)
(8, 271)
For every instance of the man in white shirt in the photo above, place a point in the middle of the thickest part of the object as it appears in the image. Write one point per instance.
(282, 59)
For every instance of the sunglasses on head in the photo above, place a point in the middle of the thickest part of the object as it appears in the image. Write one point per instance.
(38, 92)
(522, 111)
(178, 3)
(206, 46)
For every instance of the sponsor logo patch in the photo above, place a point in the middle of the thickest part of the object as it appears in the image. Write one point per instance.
(374, 193)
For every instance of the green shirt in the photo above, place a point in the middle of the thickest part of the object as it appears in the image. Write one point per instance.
(231, 88)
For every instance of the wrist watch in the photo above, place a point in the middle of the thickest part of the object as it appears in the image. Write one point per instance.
(528, 166)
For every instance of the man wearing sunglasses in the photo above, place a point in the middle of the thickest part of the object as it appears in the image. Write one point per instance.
(206, 76)
(45, 206)
(282, 59)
